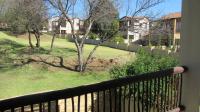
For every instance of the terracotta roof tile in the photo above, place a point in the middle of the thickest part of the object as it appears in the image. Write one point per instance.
(172, 15)
(135, 17)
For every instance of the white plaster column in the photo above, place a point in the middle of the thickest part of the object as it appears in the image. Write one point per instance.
(190, 54)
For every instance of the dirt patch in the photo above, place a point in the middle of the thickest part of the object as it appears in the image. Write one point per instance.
(58, 63)
(97, 64)
(53, 63)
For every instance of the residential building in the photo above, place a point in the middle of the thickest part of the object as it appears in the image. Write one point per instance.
(134, 28)
(165, 31)
(65, 27)
(172, 22)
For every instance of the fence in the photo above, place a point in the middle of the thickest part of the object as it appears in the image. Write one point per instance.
(151, 92)
(123, 46)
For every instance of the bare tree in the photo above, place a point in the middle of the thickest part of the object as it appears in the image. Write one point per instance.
(136, 9)
(161, 30)
(96, 9)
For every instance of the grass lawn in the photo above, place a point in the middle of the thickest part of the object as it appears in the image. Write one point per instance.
(62, 45)
(37, 77)
(27, 80)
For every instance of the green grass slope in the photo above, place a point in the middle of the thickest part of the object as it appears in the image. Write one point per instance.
(37, 77)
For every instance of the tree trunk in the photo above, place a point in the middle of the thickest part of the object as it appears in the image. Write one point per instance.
(90, 56)
(29, 39)
(38, 42)
(37, 36)
(54, 34)
(149, 41)
(159, 41)
(52, 41)
(94, 49)
(80, 66)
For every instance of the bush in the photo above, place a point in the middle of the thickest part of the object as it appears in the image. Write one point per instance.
(118, 71)
(93, 36)
(118, 38)
(146, 62)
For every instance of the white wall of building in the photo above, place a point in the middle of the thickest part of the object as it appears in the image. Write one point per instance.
(50, 23)
(67, 28)
(141, 28)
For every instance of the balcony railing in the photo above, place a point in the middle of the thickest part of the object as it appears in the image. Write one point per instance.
(151, 92)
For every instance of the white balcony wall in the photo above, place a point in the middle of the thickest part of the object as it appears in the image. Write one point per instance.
(190, 54)
(67, 28)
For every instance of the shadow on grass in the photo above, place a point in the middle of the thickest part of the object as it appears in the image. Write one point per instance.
(12, 52)
(13, 44)
(60, 65)
(4, 68)
(10, 33)
(8, 67)
(11, 47)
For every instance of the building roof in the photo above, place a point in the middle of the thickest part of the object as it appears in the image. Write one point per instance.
(57, 17)
(172, 15)
(135, 17)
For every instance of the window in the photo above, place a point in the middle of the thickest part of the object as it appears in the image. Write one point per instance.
(130, 22)
(63, 24)
(177, 41)
(178, 25)
(77, 24)
(54, 25)
(63, 31)
(145, 26)
(140, 24)
(131, 37)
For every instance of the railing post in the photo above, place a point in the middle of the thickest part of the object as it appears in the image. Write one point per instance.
(190, 54)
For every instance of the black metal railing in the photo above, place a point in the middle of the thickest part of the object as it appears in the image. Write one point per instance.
(151, 92)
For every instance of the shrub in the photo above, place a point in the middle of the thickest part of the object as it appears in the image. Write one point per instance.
(118, 71)
(118, 38)
(93, 36)
(145, 62)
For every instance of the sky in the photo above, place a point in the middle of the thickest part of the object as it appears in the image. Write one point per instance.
(168, 6)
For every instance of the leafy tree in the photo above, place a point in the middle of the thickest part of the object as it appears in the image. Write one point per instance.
(1, 6)
(16, 19)
(27, 16)
(107, 25)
